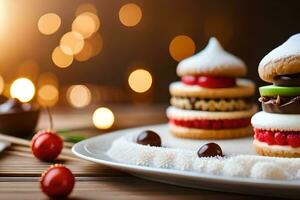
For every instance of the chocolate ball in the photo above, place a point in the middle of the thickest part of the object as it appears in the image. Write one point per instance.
(210, 150)
(149, 137)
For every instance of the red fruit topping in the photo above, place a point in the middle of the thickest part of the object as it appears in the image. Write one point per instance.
(217, 124)
(269, 138)
(46, 145)
(197, 123)
(227, 123)
(216, 82)
(57, 181)
(212, 124)
(205, 124)
(189, 80)
(259, 137)
(280, 138)
(293, 140)
(209, 81)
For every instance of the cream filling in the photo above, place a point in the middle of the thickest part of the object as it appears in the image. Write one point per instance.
(125, 150)
(210, 105)
(176, 113)
(274, 121)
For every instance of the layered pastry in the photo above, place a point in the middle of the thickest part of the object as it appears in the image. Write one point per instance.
(277, 127)
(211, 101)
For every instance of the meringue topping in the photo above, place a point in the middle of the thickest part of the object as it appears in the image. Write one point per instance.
(291, 47)
(213, 60)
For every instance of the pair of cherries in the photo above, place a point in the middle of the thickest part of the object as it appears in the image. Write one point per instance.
(209, 81)
(46, 145)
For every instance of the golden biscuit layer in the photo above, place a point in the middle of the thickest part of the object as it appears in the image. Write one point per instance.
(193, 133)
(269, 150)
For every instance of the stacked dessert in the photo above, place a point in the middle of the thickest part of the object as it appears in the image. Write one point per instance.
(211, 101)
(277, 127)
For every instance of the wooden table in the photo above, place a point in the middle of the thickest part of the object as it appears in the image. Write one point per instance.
(20, 171)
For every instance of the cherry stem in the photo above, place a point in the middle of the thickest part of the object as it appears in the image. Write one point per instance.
(50, 117)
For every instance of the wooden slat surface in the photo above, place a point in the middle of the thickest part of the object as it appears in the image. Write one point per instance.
(117, 188)
(19, 165)
(20, 172)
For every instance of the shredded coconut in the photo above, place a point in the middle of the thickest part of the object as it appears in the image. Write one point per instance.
(125, 150)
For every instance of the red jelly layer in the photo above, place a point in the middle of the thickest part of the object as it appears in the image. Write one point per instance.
(209, 81)
(283, 138)
(212, 124)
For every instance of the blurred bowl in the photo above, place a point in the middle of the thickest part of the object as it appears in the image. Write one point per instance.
(19, 124)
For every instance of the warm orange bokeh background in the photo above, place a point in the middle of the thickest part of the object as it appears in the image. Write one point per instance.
(119, 38)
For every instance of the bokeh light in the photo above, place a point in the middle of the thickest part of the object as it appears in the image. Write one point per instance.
(92, 47)
(86, 7)
(97, 43)
(130, 14)
(103, 118)
(71, 43)
(79, 96)
(49, 23)
(22, 89)
(181, 47)
(48, 95)
(2, 84)
(86, 24)
(85, 53)
(61, 59)
(140, 80)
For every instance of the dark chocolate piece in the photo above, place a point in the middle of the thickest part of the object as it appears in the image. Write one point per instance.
(149, 137)
(210, 150)
(290, 80)
(281, 105)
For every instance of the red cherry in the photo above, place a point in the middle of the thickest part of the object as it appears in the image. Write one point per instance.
(57, 181)
(189, 80)
(259, 135)
(262, 136)
(269, 138)
(215, 82)
(46, 145)
(293, 140)
(280, 138)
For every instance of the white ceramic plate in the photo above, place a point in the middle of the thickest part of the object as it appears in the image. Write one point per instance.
(94, 149)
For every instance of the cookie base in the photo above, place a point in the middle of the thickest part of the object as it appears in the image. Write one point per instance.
(192, 133)
(267, 150)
